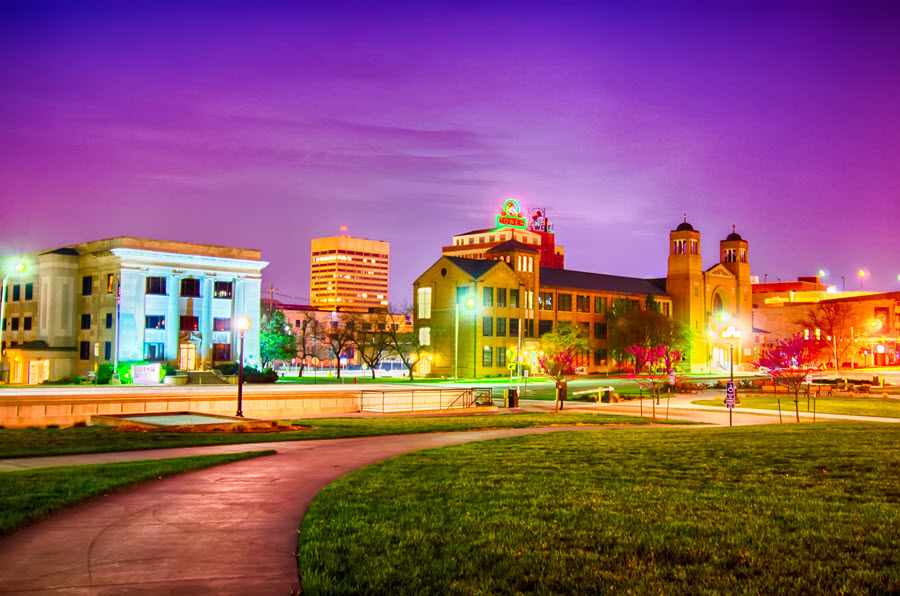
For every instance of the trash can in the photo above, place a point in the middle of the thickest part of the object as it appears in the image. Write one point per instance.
(606, 395)
(562, 391)
(512, 398)
(875, 381)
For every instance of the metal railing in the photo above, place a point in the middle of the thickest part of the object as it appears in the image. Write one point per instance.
(413, 400)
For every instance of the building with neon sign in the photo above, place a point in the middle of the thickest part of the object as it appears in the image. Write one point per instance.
(515, 299)
(130, 299)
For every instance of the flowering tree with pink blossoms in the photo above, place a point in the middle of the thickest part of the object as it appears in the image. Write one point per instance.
(789, 363)
(561, 350)
(659, 361)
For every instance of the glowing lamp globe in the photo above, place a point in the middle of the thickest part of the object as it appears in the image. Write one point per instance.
(243, 323)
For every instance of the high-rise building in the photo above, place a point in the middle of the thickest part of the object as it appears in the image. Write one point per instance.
(348, 273)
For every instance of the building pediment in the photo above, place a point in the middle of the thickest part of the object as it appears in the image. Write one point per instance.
(719, 270)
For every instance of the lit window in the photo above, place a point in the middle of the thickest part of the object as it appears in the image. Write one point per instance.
(425, 336)
(424, 303)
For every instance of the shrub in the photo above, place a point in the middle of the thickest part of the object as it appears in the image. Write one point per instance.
(79, 424)
(229, 368)
(168, 371)
(252, 375)
(78, 380)
(59, 381)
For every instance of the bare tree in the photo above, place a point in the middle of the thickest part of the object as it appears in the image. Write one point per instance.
(370, 338)
(309, 344)
(338, 336)
(834, 320)
(409, 345)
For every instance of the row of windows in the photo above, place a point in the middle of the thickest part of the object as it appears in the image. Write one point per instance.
(153, 351)
(186, 323)
(14, 324)
(14, 293)
(497, 327)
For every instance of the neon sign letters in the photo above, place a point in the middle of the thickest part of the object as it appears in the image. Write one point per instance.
(511, 216)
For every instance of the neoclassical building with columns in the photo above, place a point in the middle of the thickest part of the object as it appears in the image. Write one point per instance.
(129, 299)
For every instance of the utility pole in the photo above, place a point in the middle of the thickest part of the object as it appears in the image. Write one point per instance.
(271, 290)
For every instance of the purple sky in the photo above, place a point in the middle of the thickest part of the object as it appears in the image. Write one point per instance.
(264, 128)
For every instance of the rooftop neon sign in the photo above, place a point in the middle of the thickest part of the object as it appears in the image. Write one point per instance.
(511, 217)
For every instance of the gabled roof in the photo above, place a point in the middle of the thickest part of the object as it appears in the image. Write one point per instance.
(599, 282)
(512, 245)
(475, 267)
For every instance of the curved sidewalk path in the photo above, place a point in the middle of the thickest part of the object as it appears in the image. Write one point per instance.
(226, 530)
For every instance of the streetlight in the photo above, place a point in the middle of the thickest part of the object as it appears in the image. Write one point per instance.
(861, 274)
(734, 335)
(18, 267)
(243, 325)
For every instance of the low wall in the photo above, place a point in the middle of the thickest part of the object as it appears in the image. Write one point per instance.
(68, 405)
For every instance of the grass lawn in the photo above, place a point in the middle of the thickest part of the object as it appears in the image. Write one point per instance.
(855, 406)
(799, 509)
(29, 496)
(94, 439)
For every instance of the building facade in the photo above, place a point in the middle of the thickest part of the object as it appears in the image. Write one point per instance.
(130, 299)
(349, 273)
(489, 297)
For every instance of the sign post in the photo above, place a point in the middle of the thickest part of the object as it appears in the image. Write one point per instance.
(730, 395)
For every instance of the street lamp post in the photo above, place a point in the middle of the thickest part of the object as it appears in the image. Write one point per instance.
(734, 336)
(243, 325)
(19, 267)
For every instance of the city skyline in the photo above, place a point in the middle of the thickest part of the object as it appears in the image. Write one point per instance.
(269, 127)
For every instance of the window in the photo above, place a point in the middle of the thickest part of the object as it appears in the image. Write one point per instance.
(156, 285)
(487, 296)
(424, 303)
(564, 302)
(501, 297)
(490, 239)
(544, 327)
(599, 330)
(693, 247)
(529, 327)
(501, 327)
(222, 352)
(109, 320)
(545, 300)
(486, 359)
(514, 298)
(189, 323)
(221, 324)
(462, 294)
(487, 326)
(107, 350)
(155, 322)
(190, 288)
(85, 321)
(583, 303)
(529, 299)
(678, 247)
(84, 350)
(514, 327)
(222, 289)
(26, 324)
(29, 291)
(599, 304)
(87, 285)
(599, 356)
(501, 356)
(17, 293)
(154, 351)
(425, 336)
(14, 324)
(530, 264)
(110, 284)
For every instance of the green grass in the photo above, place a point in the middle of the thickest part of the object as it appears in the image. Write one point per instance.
(29, 496)
(799, 509)
(94, 439)
(854, 406)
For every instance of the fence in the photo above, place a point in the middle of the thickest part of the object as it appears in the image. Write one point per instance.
(413, 400)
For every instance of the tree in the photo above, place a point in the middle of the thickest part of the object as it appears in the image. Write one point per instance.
(560, 350)
(338, 336)
(629, 326)
(834, 320)
(276, 342)
(409, 345)
(308, 340)
(789, 362)
(370, 339)
(660, 362)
